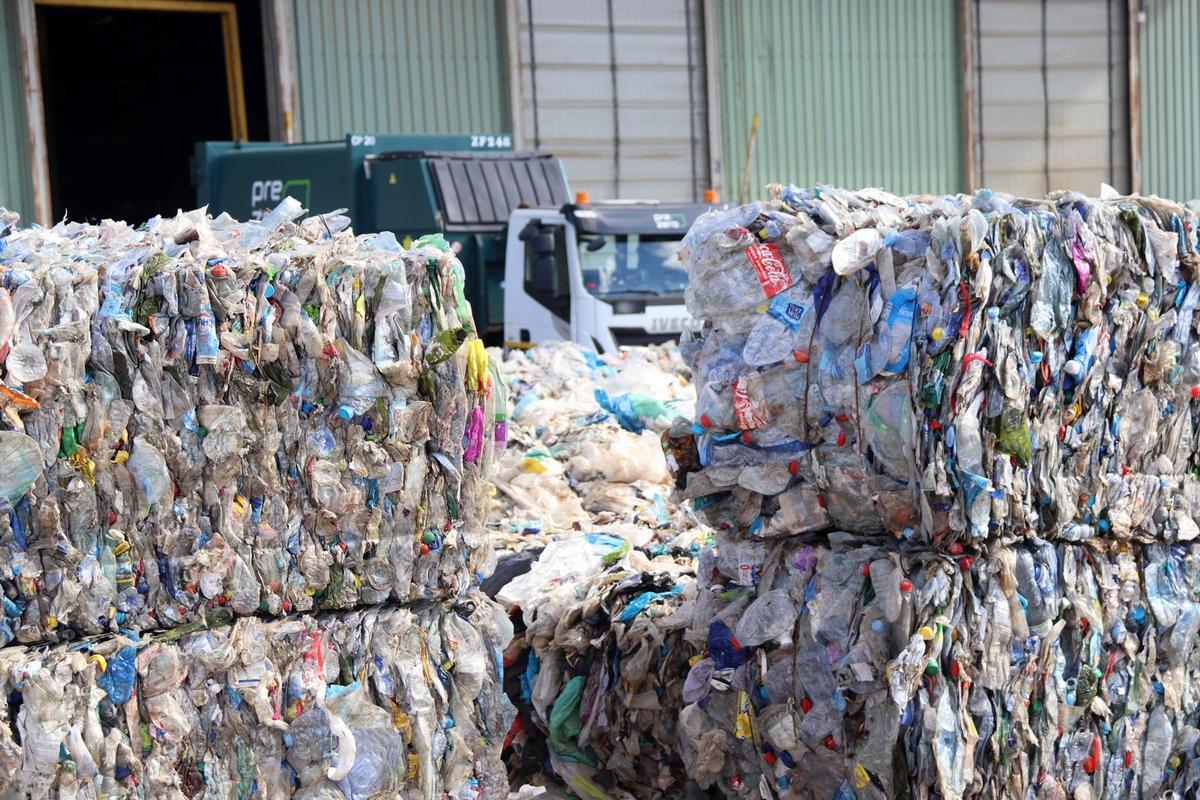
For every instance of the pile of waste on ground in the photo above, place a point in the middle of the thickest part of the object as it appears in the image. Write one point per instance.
(949, 445)
(243, 469)
(597, 568)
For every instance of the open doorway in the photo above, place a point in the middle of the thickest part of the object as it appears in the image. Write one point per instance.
(130, 86)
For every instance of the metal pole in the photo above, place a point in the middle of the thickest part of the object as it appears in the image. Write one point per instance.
(35, 113)
(712, 81)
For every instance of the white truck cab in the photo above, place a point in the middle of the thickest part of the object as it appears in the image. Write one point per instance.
(603, 275)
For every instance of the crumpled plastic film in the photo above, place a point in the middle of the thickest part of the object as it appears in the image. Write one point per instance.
(971, 367)
(402, 702)
(872, 669)
(270, 416)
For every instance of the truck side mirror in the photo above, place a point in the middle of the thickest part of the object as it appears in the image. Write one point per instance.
(544, 267)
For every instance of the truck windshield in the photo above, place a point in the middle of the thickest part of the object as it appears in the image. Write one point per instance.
(619, 264)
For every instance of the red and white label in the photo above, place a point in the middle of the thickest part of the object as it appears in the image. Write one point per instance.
(743, 409)
(768, 265)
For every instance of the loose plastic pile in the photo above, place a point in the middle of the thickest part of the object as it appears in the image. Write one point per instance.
(598, 569)
(950, 448)
(204, 420)
(584, 445)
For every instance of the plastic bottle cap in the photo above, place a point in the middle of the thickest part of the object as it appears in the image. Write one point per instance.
(931, 668)
(345, 412)
(955, 548)
(965, 563)
(830, 742)
(1196, 392)
(1036, 356)
(705, 421)
(866, 569)
(937, 334)
(424, 549)
(219, 271)
(801, 356)
(1072, 367)
(906, 585)
(841, 440)
(805, 705)
(925, 632)
(794, 467)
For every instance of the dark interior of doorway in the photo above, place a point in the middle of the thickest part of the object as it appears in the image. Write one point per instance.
(128, 93)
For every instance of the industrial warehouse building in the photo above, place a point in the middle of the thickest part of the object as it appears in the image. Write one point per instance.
(101, 101)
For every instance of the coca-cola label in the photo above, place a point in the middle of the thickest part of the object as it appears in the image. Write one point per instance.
(743, 409)
(768, 265)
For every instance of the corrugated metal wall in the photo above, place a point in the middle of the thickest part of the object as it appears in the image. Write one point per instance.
(848, 92)
(16, 186)
(1070, 131)
(1169, 67)
(623, 107)
(400, 66)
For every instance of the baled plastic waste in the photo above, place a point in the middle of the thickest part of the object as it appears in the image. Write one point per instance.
(392, 701)
(859, 667)
(957, 368)
(267, 417)
(948, 445)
